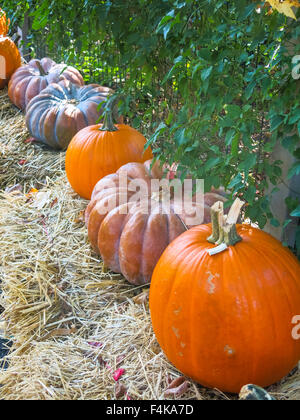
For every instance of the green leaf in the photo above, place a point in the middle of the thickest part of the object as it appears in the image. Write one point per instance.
(275, 222)
(206, 73)
(237, 180)
(180, 137)
(249, 162)
(295, 170)
(286, 223)
(296, 212)
(276, 122)
(234, 111)
(230, 136)
(211, 163)
(295, 116)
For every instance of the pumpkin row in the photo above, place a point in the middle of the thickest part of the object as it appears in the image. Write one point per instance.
(222, 295)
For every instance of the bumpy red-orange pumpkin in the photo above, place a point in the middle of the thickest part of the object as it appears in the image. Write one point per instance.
(101, 150)
(4, 23)
(29, 80)
(131, 236)
(225, 320)
(10, 59)
(62, 109)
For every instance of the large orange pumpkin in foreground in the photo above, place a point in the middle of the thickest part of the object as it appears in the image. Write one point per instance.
(100, 150)
(10, 59)
(225, 320)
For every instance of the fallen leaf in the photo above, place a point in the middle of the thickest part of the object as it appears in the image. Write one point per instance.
(95, 344)
(120, 390)
(41, 199)
(15, 188)
(31, 192)
(120, 359)
(118, 373)
(54, 202)
(30, 140)
(107, 366)
(177, 387)
(142, 298)
(61, 332)
(80, 218)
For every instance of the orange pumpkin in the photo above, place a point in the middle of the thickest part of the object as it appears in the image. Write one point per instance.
(225, 320)
(4, 23)
(131, 235)
(10, 59)
(102, 149)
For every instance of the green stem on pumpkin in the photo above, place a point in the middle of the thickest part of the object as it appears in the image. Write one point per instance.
(40, 67)
(108, 122)
(216, 212)
(224, 228)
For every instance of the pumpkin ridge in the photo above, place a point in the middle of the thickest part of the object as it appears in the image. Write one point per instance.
(123, 260)
(176, 273)
(60, 110)
(42, 126)
(193, 304)
(79, 157)
(142, 259)
(35, 122)
(272, 309)
(117, 243)
(288, 293)
(96, 149)
(247, 245)
(243, 283)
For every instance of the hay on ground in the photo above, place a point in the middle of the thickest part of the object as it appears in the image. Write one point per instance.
(73, 324)
(22, 161)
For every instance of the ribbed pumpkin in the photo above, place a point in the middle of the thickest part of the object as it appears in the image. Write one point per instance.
(29, 80)
(101, 150)
(131, 236)
(4, 23)
(10, 59)
(225, 320)
(61, 110)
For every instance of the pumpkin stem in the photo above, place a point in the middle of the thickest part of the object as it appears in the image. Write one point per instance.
(42, 71)
(216, 212)
(108, 122)
(224, 228)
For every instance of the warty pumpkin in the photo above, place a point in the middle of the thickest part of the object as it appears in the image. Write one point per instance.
(225, 320)
(29, 80)
(10, 59)
(101, 150)
(62, 109)
(4, 23)
(129, 239)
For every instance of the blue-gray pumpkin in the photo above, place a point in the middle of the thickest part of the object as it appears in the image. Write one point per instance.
(62, 109)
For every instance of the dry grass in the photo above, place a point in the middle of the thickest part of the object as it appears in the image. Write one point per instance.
(29, 164)
(72, 322)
